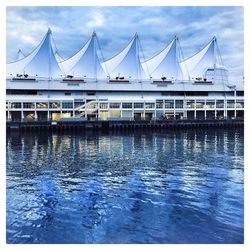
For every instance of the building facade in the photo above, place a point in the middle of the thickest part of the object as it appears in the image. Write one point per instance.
(42, 86)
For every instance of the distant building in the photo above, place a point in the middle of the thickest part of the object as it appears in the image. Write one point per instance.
(44, 86)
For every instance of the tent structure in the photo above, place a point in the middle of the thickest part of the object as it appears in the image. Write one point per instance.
(126, 64)
(20, 55)
(166, 63)
(58, 57)
(39, 63)
(206, 64)
(85, 63)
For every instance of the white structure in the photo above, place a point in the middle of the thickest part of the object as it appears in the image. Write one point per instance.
(44, 86)
(206, 64)
(85, 63)
(40, 63)
(166, 63)
(127, 63)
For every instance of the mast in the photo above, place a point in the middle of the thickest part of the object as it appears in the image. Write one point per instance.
(138, 75)
(94, 52)
(49, 34)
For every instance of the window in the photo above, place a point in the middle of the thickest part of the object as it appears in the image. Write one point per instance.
(200, 104)
(78, 104)
(138, 105)
(159, 104)
(220, 104)
(230, 104)
(103, 105)
(16, 105)
(149, 105)
(210, 104)
(114, 105)
(54, 105)
(42, 105)
(169, 104)
(67, 93)
(127, 105)
(240, 104)
(67, 105)
(179, 104)
(190, 104)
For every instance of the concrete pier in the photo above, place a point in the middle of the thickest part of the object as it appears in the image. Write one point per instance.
(70, 126)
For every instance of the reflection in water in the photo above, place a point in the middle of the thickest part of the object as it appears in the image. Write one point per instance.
(181, 187)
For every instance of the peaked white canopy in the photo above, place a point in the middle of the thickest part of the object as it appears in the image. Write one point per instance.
(127, 63)
(20, 55)
(41, 62)
(205, 64)
(85, 63)
(58, 57)
(166, 63)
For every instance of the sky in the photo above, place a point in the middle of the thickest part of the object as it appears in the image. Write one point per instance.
(115, 26)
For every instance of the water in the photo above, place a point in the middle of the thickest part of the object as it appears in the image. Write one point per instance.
(168, 187)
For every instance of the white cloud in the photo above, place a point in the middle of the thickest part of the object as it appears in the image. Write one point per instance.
(97, 20)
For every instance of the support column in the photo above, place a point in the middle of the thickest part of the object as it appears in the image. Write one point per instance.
(195, 109)
(22, 115)
(74, 109)
(174, 111)
(225, 109)
(215, 110)
(8, 111)
(205, 111)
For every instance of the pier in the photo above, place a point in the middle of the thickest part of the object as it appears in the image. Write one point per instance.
(116, 125)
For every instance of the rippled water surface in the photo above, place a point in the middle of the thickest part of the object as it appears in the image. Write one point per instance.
(165, 187)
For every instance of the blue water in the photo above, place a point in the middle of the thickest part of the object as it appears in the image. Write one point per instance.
(161, 187)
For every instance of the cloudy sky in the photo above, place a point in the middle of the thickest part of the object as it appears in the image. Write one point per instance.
(156, 26)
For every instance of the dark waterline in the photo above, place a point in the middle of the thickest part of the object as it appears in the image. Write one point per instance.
(168, 187)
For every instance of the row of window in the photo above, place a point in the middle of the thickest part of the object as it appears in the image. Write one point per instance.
(170, 104)
(41, 105)
(160, 104)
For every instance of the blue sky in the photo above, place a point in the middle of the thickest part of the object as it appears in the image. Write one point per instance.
(156, 26)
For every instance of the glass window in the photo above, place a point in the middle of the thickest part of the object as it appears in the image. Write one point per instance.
(54, 105)
(230, 103)
(210, 103)
(240, 104)
(114, 105)
(149, 105)
(220, 104)
(159, 104)
(67, 105)
(127, 105)
(190, 104)
(16, 105)
(179, 104)
(103, 105)
(42, 105)
(200, 104)
(138, 105)
(78, 104)
(169, 104)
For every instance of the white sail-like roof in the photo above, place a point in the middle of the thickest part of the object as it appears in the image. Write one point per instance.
(127, 63)
(85, 63)
(166, 63)
(20, 55)
(205, 60)
(58, 57)
(41, 62)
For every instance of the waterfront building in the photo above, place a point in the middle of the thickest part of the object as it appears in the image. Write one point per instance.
(44, 86)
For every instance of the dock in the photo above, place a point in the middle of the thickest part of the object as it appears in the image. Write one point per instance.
(116, 125)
